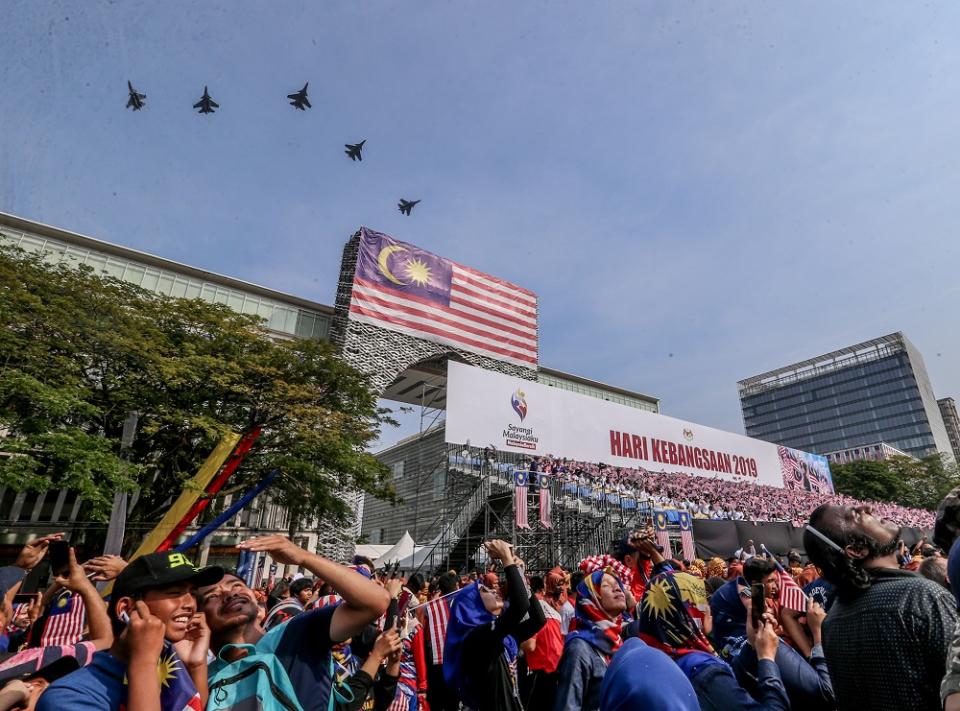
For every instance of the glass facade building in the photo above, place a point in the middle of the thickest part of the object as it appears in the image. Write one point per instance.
(869, 393)
(282, 314)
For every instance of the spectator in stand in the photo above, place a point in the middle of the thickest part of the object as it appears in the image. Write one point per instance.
(666, 623)
(300, 649)
(887, 633)
(746, 552)
(601, 601)
(157, 635)
(481, 648)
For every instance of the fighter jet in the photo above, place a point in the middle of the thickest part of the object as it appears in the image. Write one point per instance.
(406, 206)
(135, 101)
(299, 99)
(206, 104)
(354, 150)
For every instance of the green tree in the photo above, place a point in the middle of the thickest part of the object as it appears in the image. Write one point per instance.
(78, 352)
(903, 480)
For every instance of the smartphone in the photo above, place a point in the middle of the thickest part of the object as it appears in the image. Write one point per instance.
(759, 606)
(24, 598)
(59, 552)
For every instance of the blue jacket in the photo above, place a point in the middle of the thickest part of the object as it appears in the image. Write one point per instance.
(580, 675)
(807, 683)
(717, 688)
(729, 614)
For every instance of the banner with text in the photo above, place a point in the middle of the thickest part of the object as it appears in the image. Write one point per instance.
(517, 415)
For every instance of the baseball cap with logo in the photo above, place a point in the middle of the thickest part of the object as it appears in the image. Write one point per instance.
(158, 570)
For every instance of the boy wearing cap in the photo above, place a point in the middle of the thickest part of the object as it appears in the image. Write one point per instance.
(152, 609)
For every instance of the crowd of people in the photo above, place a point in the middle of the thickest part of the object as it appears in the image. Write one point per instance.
(864, 623)
(712, 498)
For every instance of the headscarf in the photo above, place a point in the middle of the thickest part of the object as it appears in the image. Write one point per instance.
(609, 564)
(467, 612)
(641, 677)
(717, 567)
(552, 584)
(698, 568)
(667, 614)
(593, 624)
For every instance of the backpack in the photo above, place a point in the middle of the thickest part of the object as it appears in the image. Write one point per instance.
(257, 682)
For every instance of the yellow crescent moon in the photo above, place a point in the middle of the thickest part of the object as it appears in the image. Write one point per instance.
(382, 262)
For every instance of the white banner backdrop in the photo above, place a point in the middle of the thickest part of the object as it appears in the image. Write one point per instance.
(517, 415)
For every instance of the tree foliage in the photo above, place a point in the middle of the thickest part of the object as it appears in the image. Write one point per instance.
(79, 351)
(903, 480)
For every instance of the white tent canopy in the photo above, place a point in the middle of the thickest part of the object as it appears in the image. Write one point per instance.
(403, 548)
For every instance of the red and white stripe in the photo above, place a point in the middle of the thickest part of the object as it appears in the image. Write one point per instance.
(438, 616)
(686, 542)
(486, 315)
(520, 506)
(663, 539)
(65, 627)
(546, 507)
(792, 596)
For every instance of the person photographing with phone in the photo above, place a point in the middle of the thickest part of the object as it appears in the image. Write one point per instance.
(158, 659)
(480, 653)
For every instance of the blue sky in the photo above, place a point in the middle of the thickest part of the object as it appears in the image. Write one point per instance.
(698, 191)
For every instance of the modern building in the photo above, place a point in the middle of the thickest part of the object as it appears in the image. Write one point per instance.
(871, 392)
(878, 451)
(948, 410)
(285, 316)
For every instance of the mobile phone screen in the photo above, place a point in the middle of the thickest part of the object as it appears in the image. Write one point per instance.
(24, 598)
(759, 605)
(59, 552)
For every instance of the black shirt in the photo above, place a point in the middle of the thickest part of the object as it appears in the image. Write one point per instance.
(887, 648)
(483, 652)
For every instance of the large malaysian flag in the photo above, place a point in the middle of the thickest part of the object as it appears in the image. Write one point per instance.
(403, 288)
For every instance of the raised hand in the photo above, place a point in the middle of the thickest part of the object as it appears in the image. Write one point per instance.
(281, 549)
(192, 649)
(387, 644)
(33, 552)
(499, 550)
(144, 634)
(105, 567)
(75, 580)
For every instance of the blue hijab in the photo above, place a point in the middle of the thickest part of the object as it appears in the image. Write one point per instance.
(467, 613)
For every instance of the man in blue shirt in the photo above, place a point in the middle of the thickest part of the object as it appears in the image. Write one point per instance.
(152, 607)
(301, 646)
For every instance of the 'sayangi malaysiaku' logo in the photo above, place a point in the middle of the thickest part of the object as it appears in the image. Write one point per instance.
(519, 403)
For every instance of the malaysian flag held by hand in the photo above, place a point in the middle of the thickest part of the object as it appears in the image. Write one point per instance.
(520, 499)
(686, 536)
(438, 615)
(65, 620)
(403, 288)
(546, 504)
(792, 596)
(660, 532)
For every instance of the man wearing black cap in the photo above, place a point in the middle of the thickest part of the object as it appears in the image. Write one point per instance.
(152, 608)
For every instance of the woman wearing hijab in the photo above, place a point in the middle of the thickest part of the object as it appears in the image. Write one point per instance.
(667, 623)
(480, 652)
(599, 615)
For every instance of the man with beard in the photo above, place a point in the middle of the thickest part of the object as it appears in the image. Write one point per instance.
(886, 637)
(294, 657)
